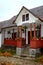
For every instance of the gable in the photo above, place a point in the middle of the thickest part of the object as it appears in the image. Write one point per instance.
(24, 11)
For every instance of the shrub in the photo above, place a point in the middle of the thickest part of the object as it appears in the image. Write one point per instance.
(7, 54)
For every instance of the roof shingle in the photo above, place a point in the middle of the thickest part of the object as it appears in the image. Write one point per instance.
(8, 23)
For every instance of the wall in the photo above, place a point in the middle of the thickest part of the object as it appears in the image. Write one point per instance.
(11, 31)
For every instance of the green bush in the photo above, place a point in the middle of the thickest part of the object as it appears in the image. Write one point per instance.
(2, 50)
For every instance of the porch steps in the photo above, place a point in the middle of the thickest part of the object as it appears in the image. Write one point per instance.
(25, 51)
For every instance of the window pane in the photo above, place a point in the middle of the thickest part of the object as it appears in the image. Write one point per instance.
(27, 16)
(23, 18)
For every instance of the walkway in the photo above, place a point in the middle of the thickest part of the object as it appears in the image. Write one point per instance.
(17, 60)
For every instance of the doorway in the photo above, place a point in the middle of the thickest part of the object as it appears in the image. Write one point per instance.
(14, 35)
(29, 36)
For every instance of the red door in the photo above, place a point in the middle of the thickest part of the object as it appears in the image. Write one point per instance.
(29, 36)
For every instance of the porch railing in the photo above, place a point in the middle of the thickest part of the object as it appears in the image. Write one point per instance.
(36, 43)
(16, 42)
(10, 42)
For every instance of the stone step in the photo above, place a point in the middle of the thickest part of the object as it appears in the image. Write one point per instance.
(26, 51)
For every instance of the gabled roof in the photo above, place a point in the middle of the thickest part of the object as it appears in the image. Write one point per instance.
(8, 23)
(38, 12)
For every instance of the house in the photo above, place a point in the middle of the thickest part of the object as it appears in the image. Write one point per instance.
(26, 28)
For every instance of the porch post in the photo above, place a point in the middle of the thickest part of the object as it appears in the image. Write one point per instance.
(13, 34)
(30, 30)
(17, 31)
(19, 48)
(34, 29)
(20, 30)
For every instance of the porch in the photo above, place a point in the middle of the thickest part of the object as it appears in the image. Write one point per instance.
(19, 39)
(12, 37)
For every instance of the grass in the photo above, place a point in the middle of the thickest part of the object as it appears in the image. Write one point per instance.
(13, 52)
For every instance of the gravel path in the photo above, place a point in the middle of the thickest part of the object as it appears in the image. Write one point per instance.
(17, 61)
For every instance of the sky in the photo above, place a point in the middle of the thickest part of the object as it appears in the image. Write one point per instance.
(9, 8)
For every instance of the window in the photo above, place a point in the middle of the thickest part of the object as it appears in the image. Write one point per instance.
(9, 32)
(27, 16)
(23, 18)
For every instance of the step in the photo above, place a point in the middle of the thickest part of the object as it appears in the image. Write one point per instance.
(26, 51)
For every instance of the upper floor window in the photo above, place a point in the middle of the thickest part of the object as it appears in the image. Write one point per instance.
(25, 17)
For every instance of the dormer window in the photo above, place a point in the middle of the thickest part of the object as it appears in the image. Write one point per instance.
(25, 17)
